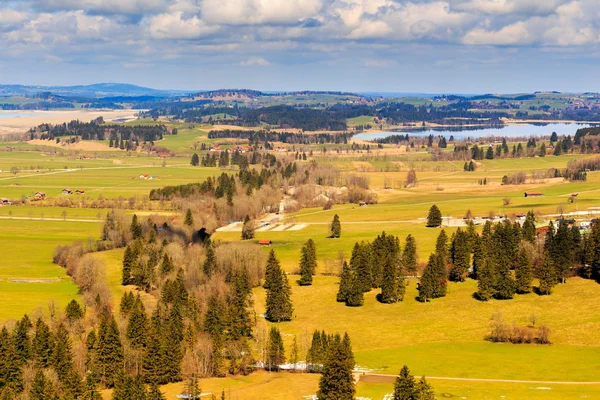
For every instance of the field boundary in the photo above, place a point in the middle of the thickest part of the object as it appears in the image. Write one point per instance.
(385, 378)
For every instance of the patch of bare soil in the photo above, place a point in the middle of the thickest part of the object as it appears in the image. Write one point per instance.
(82, 145)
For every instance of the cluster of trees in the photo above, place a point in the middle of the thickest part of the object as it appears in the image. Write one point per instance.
(262, 136)
(120, 135)
(378, 265)
(407, 388)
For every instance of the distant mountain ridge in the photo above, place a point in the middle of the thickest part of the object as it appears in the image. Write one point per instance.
(97, 90)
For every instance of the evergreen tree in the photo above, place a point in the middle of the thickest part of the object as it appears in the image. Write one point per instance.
(192, 388)
(433, 280)
(355, 295)
(154, 392)
(392, 283)
(441, 247)
(62, 358)
(523, 273)
(336, 227)
(43, 344)
(345, 284)
(74, 312)
(21, 338)
(294, 353)
(486, 279)
(423, 390)
(405, 386)
(136, 228)
(275, 350)
(336, 382)
(271, 270)
(195, 160)
(91, 388)
(167, 265)
(127, 303)
(529, 231)
(210, 263)
(11, 372)
(38, 386)
(138, 325)
(360, 263)
(461, 256)
(279, 303)
(110, 352)
(189, 218)
(561, 251)
(547, 276)
(434, 218)
(129, 261)
(504, 284)
(409, 257)
(308, 263)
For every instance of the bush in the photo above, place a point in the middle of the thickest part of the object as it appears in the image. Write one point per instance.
(502, 332)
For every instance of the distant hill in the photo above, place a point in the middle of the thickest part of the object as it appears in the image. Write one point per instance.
(97, 90)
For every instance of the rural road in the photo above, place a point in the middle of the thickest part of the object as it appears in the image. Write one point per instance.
(388, 378)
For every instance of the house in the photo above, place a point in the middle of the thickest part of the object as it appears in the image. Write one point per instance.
(4, 202)
(39, 196)
(214, 148)
(534, 194)
(67, 191)
(542, 231)
(163, 155)
(264, 242)
(79, 191)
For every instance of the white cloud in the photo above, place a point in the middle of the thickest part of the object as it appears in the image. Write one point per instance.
(255, 61)
(379, 63)
(509, 35)
(176, 26)
(252, 12)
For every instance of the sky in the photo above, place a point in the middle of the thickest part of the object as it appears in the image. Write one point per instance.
(425, 46)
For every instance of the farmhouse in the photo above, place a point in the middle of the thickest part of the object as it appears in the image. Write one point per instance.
(542, 231)
(79, 191)
(39, 196)
(264, 242)
(4, 202)
(534, 194)
(67, 191)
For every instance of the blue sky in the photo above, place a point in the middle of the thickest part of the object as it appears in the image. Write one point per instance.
(459, 46)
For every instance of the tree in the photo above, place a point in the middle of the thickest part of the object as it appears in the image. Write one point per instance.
(271, 270)
(136, 228)
(345, 284)
(275, 350)
(74, 312)
(434, 218)
(154, 392)
(336, 382)
(423, 390)
(308, 263)
(404, 387)
(547, 276)
(411, 178)
(486, 279)
(542, 152)
(14, 170)
(461, 256)
(409, 257)
(361, 264)
(529, 231)
(392, 282)
(523, 273)
(210, 263)
(138, 325)
(195, 160)
(248, 229)
(504, 284)
(336, 227)
(192, 388)
(441, 247)
(433, 280)
(110, 351)
(129, 261)
(279, 303)
(189, 218)
(42, 344)
(294, 353)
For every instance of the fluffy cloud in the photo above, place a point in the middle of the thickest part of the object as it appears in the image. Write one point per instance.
(255, 61)
(176, 26)
(516, 33)
(252, 12)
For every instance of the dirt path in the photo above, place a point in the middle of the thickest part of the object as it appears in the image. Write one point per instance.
(388, 378)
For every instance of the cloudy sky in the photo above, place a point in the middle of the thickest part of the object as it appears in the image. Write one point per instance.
(432, 46)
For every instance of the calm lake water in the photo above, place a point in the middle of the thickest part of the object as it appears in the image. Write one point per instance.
(520, 130)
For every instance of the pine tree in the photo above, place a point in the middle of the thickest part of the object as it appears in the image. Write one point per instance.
(136, 228)
(192, 388)
(279, 303)
(486, 279)
(433, 280)
(336, 227)
(441, 247)
(73, 312)
(423, 390)
(91, 388)
(167, 265)
(504, 284)
(189, 218)
(38, 386)
(523, 273)
(409, 257)
(308, 262)
(138, 325)
(336, 382)
(405, 386)
(62, 358)
(392, 283)
(42, 344)
(294, 353)
(529, 231)
(210, 263)
(360, 263)
(129, 261)
(460, 256)
(345, 284)
(561, 251)
(110, 352)
(11, 371)
(154, 392)
(195, 160)
(21, 339)
(547, 276)
(275, 350)
(271, 270)
(127, 303)
(355, 294)
(434, 218)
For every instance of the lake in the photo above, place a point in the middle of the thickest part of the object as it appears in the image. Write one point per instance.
(519, 130)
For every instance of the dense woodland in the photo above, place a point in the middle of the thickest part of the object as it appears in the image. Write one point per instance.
(256, 137)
